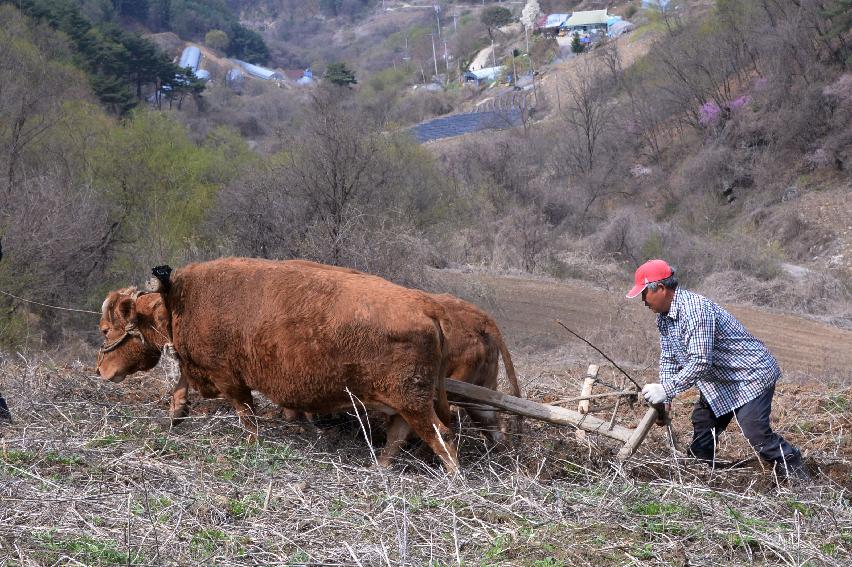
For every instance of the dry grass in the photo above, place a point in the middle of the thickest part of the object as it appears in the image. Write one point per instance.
(90, 476)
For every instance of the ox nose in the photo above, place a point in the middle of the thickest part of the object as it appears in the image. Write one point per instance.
(103, 373)
(112, 376)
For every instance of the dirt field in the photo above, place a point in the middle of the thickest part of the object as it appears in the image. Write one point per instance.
(527, 308)
(92, 474)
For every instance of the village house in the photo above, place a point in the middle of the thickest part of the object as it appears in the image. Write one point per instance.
(554, 23)
(591, 21)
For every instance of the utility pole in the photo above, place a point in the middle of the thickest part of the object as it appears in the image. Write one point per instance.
(493, 57)
(438, 19)
(446, 59)
(434, 56)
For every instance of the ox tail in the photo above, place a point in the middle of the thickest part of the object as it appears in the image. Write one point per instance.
(442, 407)
(510, 371)
(507, 361)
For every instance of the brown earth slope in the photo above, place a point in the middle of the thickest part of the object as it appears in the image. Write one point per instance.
(527, 309)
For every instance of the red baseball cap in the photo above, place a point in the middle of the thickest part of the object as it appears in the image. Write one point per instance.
(649, 272)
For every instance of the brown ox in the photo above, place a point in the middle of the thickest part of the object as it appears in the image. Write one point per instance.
(304, 336)
(474, 346)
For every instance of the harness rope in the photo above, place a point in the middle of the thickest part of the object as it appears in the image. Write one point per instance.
(49, 306)
(168, 352)
(130, 330)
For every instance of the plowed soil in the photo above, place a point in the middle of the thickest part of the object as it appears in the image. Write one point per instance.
(527, 309)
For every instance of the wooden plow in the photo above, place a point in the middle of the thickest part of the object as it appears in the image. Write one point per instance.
(631, 438)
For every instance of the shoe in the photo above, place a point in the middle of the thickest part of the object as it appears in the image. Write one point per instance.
(794, 469)
(5, 414)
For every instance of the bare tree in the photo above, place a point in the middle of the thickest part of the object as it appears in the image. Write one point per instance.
(254, 217)
(335, 164)
(587, 113)
(33, 87)
(589, 151)
(644, 116)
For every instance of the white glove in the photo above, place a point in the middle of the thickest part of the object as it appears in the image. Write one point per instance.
(654, 393)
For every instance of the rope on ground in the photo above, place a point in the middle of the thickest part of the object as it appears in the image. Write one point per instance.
(49, 306)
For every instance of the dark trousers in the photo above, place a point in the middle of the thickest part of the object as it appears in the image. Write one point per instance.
(4, 410)
(753, 418)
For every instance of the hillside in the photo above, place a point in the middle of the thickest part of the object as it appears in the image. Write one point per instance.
(714, 134)
(678, 185)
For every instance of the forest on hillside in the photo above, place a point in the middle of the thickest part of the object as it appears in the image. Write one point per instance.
(723, 116)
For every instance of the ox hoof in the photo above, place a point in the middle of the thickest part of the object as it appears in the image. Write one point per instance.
(177, 416)
(178, 408)
(174, 421)
(290, 415)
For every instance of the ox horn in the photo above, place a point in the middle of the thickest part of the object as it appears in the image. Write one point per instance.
(153, 285)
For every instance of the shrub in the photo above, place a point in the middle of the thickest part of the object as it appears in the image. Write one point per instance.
(217, 39)
(816, 293)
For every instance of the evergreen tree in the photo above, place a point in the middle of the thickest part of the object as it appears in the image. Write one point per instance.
(495, 17)
(839, 14)
(119, 62)
(113, 92)
(247, 45)
(577, 45)
(137, 9)
(339, 74)
(160, 14)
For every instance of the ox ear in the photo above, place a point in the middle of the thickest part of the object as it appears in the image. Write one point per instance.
(127, 309)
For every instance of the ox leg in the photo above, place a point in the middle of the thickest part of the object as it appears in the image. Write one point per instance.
(290, 415)
(487, 420)
(397, 433)
(427, 425)
(243, 404)
(179, 405)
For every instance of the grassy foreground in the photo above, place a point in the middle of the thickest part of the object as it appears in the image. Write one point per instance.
(90, 474)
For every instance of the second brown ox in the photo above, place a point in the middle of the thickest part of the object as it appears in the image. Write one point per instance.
(303, 336)
(474, 346)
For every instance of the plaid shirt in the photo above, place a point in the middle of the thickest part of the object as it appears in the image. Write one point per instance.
(701, 344)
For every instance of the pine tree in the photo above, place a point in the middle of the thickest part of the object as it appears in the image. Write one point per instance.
(247, 45)
(339, 74)
(576, 45)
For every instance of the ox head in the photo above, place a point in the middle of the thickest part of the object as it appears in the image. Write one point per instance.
(135, 326)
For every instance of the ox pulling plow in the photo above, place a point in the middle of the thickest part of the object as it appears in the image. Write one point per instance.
(631, 438)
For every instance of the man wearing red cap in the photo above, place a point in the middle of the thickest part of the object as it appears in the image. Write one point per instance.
(703, 345)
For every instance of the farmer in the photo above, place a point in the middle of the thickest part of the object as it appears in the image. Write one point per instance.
(703, 345)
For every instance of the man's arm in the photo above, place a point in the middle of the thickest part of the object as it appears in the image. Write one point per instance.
(699, 330)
